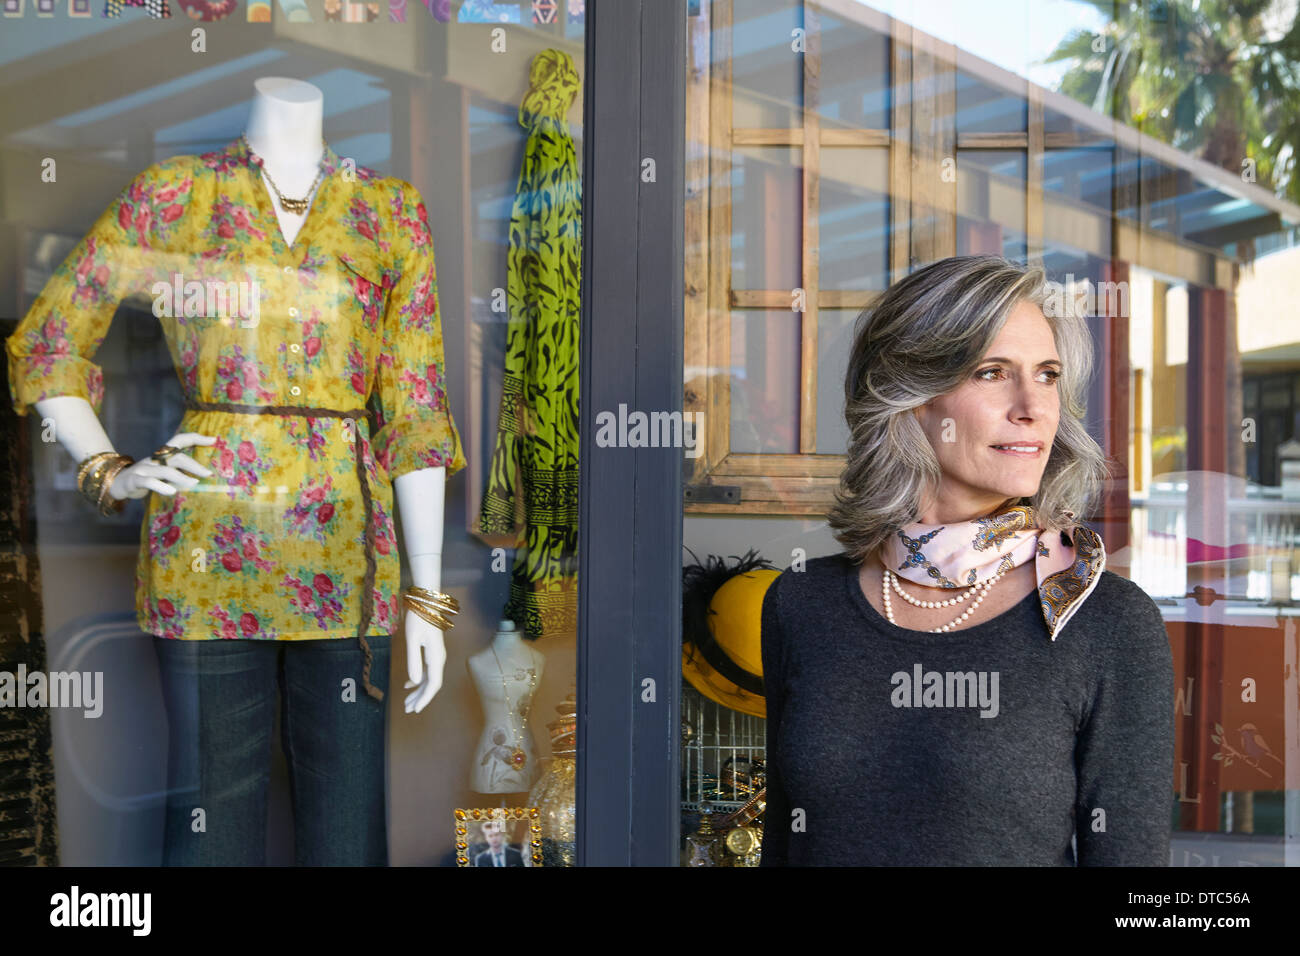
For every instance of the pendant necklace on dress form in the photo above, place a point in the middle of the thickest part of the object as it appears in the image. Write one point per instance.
(517, 756)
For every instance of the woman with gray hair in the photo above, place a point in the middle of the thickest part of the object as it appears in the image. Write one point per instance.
(966, 723)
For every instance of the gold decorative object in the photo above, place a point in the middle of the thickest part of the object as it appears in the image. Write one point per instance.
(742, 840)
(554, 793)
(745, 844)
(703, 843)
(751, 811)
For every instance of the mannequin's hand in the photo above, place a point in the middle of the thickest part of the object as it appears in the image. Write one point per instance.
(426, 655)
(147, 475)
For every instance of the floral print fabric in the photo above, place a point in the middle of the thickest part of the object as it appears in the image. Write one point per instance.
(272, 545)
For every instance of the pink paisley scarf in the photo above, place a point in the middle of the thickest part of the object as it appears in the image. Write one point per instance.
(963, 553)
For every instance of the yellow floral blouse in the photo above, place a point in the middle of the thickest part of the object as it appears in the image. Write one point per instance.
(280, 349)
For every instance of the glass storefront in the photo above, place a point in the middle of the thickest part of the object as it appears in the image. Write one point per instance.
(675, 217)
(432, 286)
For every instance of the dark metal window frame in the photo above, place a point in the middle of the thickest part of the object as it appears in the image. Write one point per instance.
(629, 544)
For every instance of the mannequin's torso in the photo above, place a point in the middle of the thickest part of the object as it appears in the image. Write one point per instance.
(284, 130)
(285, 124)
(504, 724)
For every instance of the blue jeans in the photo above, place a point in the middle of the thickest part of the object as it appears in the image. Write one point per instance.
(219, 697)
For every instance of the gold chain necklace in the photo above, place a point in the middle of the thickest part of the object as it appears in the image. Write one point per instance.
(298, 206)
(517, 756)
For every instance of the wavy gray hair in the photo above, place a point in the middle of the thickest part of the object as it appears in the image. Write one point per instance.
(922, 338)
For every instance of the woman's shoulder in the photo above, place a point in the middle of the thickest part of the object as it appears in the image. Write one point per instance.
(1119, 613)
(811, 579)
(802, 597)
(1123, 593)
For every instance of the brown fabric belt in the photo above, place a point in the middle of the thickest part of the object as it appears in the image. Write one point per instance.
(367, 502)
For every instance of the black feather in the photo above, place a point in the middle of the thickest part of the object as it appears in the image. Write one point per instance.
(700, 582)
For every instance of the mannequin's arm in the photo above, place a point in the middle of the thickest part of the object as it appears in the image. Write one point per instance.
(78, 430)
(420, 498)
(75, 426)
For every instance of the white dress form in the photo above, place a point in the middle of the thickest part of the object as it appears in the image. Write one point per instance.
(494, 770)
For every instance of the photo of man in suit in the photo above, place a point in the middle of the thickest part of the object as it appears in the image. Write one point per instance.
(498, 853)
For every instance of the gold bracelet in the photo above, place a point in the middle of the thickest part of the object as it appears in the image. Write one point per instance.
(429, 613)
(89, 468)
(431, 606)
(92, 480)
(86, 485)
(436, 599)
(107, 503)
(433, 596)
(88, 463)
(95, 480)
(429, 616)
(429, 609)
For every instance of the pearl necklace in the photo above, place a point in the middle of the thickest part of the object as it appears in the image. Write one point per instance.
(888, 579)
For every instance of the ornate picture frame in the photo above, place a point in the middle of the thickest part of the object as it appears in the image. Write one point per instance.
(521, 827)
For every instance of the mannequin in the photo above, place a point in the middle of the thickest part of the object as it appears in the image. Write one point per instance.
(506, 676)
(284, 128)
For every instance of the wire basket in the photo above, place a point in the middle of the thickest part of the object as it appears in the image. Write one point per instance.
(720, 749)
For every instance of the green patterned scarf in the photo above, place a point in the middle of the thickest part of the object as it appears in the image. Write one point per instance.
(537, 433)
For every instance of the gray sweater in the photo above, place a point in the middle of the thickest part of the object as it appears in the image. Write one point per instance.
(987, 746)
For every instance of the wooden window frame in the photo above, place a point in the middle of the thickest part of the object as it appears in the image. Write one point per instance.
(923, 228)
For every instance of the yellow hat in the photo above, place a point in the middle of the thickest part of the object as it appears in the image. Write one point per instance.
(722, 631)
